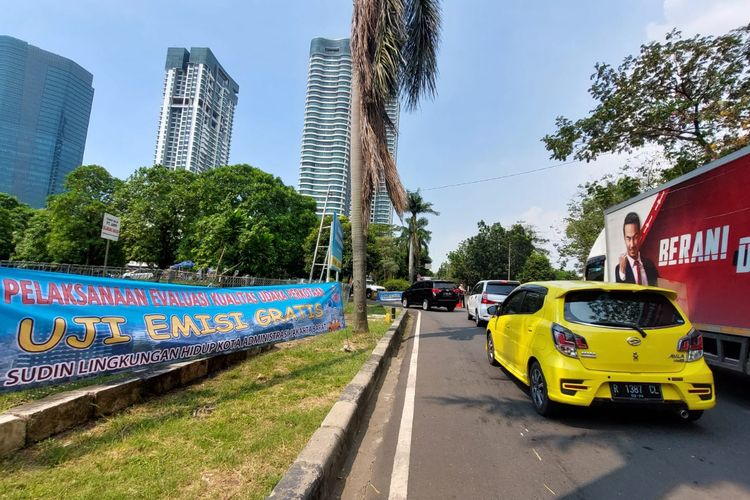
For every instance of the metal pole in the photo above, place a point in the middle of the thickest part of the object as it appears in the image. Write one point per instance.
(330, 249)
(323, 269)
(320, 229)
(106, 256)
(509, 259)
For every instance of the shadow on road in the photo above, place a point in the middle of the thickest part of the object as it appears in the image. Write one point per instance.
(462, 334)
(661, 456)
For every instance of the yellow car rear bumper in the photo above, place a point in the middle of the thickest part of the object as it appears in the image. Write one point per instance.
(570, 383)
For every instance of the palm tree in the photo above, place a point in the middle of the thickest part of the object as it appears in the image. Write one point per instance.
(394, 52)
(415, 251)
(417, 206)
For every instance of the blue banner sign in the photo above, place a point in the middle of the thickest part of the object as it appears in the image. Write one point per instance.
(60, 327)
(389, 296)
(337, 244)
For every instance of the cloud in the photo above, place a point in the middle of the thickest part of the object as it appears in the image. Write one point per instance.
(705, 17)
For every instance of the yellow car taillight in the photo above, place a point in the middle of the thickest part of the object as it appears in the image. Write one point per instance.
(566, 341)
(692, 345)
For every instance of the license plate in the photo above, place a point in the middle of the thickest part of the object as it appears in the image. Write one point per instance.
(635, 391)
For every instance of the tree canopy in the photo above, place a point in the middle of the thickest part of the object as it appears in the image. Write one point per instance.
(386, 252)
(159, 207)
(689, 96)
(75, 217)
(486, 255)
(536, 268)
(585, 218)
(251, 219)
(237, 219)
(14, 216)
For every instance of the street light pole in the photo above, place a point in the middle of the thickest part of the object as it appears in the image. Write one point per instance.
(508, 259)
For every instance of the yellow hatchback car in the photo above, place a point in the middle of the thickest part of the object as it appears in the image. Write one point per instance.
(582, 343)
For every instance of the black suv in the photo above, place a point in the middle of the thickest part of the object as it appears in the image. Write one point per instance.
(431, 293)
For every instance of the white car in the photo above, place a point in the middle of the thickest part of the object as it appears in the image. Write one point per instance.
(483, 295)
(138, 275)
(373, 289)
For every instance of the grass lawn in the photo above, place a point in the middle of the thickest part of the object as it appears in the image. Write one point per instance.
(233, 434)
(371, 309)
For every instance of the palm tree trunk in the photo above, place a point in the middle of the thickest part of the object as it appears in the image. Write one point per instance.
(412, 270)
(359, 236)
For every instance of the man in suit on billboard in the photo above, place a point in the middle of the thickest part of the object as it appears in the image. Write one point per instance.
(633, 267)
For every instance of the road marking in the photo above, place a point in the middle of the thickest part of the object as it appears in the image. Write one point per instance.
(400, 473)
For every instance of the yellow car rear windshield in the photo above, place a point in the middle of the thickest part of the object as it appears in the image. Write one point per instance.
(644, 309)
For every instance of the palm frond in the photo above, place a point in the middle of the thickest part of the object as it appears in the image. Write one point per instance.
(419, 71)
(417, 205)
(377, 41)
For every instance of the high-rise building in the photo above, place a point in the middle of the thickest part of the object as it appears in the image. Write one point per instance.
(45, 103)
(381, 209)
(197, 111)
(324, 166)
(326, 134)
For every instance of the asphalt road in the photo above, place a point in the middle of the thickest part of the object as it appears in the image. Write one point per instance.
(474, 434)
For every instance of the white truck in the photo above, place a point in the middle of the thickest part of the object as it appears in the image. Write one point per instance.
(691, 235)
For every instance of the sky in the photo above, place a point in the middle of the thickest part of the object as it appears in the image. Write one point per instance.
(507, 70)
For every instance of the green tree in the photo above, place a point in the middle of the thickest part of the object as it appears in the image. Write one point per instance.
(416, 239)
(564, 274)
(488, 254)
(690, 96)
(585, 218)
(445, 271)
(76, 216)
(394, 50)
(159, 207)
(14, 216)
(34, 240)
(382, 249)
(250, 222)
(390, 255)
(416, 227)
(382, 252)
(536, 268)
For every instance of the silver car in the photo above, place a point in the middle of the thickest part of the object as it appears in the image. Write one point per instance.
(483, 295)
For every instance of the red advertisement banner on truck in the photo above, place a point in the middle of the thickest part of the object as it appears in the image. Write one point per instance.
(695, 239)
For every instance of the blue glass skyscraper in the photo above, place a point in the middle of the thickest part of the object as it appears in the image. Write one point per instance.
(45, 103)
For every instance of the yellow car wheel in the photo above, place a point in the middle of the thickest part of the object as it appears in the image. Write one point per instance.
(491, 350)
(538, 391)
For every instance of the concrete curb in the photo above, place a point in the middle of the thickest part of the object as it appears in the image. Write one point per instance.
(311, 476)
(28, 423)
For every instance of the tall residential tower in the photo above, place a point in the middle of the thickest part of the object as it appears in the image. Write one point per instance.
(326, 134)
(324, 164)
(45, 103)
(381, 209)
(195, 125)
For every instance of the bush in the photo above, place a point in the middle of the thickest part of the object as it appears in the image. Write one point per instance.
(396, 285)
